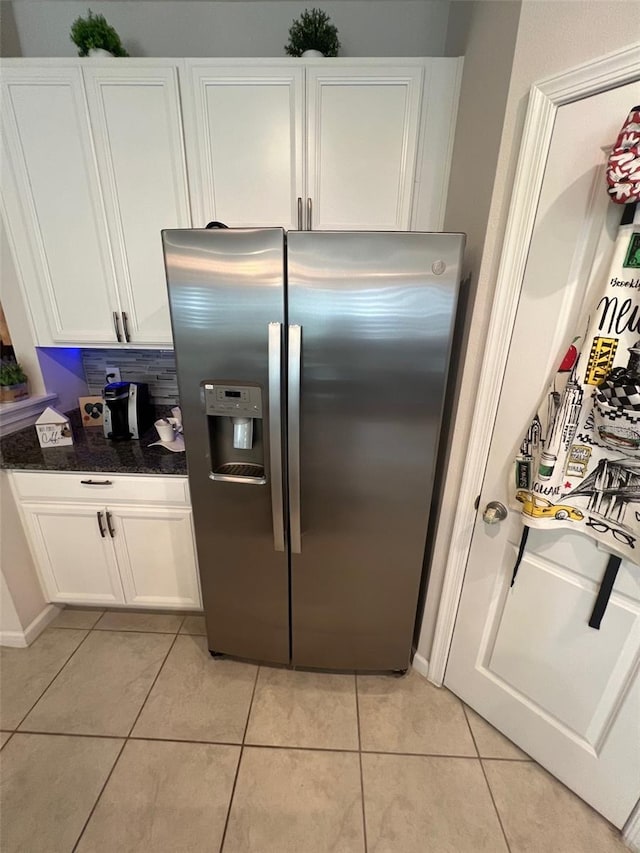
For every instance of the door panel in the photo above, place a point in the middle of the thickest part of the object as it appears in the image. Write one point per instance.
(362, 141)
(376, 326)
(525, 657)
(137, 127)
(77, 564)
(54, 196)
(156, 556)
(243, 129)
(225, 289)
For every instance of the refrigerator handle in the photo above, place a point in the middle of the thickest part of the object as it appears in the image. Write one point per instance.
(295, 357)
(275, 433)
(299, 214)
(309, 208)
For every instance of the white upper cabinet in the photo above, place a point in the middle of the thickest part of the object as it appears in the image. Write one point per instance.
(243, 132)
(362, 137)
(99, 156)
(53, 208)
(137, 130)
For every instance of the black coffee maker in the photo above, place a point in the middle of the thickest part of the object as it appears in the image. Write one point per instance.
(127, 411)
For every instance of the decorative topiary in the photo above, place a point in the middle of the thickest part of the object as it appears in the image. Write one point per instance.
(93, 32)
(313, 31)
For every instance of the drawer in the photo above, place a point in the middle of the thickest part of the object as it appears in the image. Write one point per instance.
(101, 488)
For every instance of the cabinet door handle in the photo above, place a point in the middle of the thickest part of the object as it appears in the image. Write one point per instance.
(299, 214)
(309, 207)
(125, 325)
(112, 532)
(116, 323)
(102, 533)
(95, 482)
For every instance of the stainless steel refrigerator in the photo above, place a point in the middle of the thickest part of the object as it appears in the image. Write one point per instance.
(312, 370)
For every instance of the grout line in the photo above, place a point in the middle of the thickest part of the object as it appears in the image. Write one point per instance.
(466, 719)
(11, 734)
(67, 734)
(486, 779)
(419, 754)
(235, 778)
(106, 782)
(124, 743)
(364, 813)
(175, 739)
(109, 630)
(82, 641)
(153, 684)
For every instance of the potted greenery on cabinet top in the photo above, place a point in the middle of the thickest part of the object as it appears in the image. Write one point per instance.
(93, 36)
(13, 382)
(313, 34)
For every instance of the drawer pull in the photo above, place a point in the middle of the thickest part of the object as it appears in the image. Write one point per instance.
(102, 533)
(96, 482)
(112, 532)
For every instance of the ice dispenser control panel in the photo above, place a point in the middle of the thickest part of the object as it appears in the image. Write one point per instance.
(236, 401)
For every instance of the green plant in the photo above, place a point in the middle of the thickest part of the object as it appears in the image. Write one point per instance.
(11, 373)
(94, 32)
(313, 31)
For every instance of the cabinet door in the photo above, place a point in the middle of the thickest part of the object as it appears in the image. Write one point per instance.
(362, 125)
(135, 116)
(76, 563)
(243, 132)
(53, 207)
(156, 556)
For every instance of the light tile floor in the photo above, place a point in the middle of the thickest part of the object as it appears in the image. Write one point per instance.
(121, 733)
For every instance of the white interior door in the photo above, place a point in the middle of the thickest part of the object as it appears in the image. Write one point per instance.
(361, 145)
(525, 657)
(243, 133)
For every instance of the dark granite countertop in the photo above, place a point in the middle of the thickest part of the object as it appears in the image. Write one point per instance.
(90, 451)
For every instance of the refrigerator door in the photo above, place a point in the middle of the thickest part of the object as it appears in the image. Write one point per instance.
(226, 291)
(371, 317)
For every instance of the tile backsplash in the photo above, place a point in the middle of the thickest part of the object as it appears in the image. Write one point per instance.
(155, 367)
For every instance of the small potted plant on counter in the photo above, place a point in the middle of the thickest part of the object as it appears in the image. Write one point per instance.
(313, 34)
(13, 382)
(93, 36)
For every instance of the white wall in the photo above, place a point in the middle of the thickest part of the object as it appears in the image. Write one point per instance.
(238, 28)
(18, 571)
(553, 35)
(17, 319)
(9, 621)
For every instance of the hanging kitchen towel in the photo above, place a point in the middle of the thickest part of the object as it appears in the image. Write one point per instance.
(579, 463)
(623, 167)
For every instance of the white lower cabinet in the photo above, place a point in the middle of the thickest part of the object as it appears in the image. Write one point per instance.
(77, 564)
(110, 550)
(155, 553)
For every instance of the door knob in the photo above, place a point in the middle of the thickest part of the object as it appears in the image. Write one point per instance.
(494, 512)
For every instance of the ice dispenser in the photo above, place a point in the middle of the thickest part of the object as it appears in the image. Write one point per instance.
(236, 437)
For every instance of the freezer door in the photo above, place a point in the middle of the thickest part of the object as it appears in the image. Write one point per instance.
(226, 290)
(370, 323)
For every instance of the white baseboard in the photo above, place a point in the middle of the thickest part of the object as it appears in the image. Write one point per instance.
(14, 639)
(631, 831)
(22, 639)
(421, 665)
